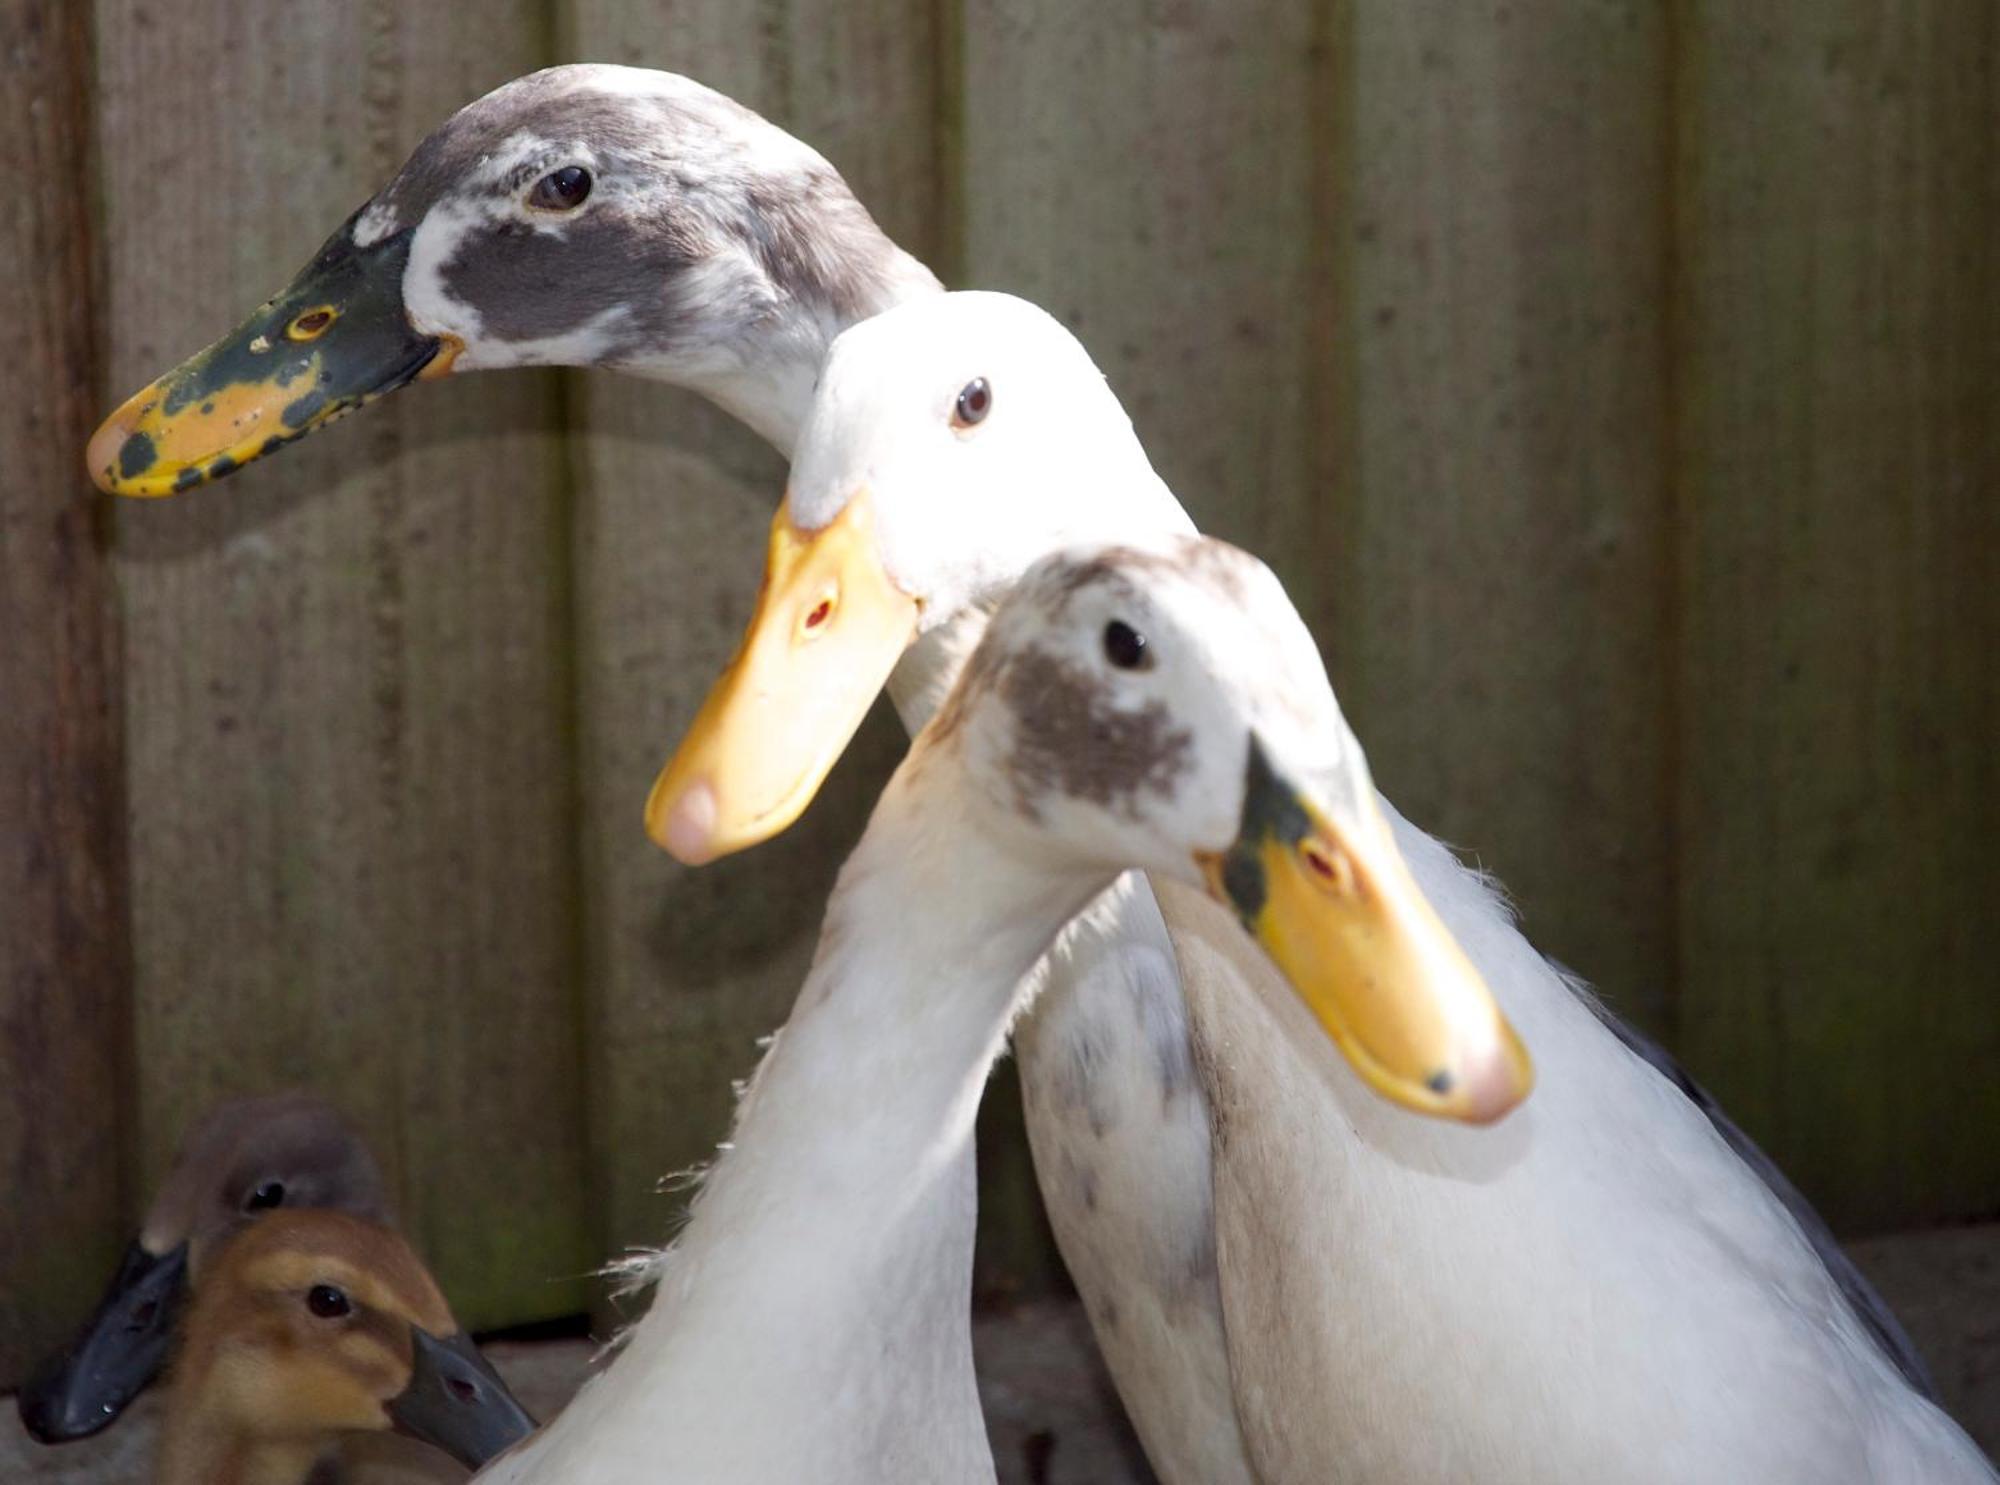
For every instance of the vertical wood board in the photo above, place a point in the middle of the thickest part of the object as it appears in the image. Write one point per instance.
(348, 695)
(1497, 610)
(1840, 345)
(64, 969)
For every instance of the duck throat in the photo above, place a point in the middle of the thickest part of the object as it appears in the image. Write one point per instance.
(829, 1256)
(773, 318)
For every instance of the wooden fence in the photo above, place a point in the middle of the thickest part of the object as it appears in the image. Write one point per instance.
(1613, 383)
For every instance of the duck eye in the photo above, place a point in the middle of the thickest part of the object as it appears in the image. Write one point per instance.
(561, 190)
(267, 1195)
(327, 1302)
(1125, 647)
(975, 400)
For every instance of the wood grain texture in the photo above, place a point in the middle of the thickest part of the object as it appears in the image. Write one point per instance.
(674, 501)
(1840, 198)
(1499, 622)
(347, 693)
(64, 970)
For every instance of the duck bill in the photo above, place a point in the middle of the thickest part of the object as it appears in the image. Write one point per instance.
(456, 1401)
(1331, 900)
(337, 337)
(829, 627)
(118, 1352)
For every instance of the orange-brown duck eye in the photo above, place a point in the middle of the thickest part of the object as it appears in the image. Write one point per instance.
(975, 401)
(561, 190)
(327, 1302)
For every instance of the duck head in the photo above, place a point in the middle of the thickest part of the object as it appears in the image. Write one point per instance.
(945, 452)
(952, 445)
(585, 215)
(312, 1324)
(246, 1158)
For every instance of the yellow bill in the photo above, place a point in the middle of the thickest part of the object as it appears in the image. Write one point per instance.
(830, 626)
(1337, 910)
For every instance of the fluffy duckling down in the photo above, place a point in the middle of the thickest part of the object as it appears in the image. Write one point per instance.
(311, 1326)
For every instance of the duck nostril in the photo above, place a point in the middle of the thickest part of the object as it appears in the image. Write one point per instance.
(1330, 866)
(463, 1390)
(143, 1317)
(311, 323)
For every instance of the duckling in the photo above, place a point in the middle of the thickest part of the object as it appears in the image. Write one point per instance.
(313, 1325)
(247, 1157)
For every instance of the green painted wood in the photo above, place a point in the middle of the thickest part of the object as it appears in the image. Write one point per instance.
(1498, 611)
(347, 689)
(64, 971)
(1839, 355)
(688, 969)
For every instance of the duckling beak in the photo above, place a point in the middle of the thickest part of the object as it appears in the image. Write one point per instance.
(120, 1349)
(456, 1401)
(338, 336)
(829, 627)
(1325, 891)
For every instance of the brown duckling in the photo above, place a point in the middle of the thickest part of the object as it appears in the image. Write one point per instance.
(247, 1157)
(310, 1326)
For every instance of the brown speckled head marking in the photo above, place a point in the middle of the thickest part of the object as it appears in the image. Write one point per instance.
(1069, 739)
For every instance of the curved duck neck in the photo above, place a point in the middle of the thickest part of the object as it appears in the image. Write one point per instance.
(767, 380)
(820, 1296)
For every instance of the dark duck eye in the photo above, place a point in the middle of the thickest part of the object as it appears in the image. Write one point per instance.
(975, 400)
(1125, 647)
(268, 1194)
(327, 1302)
(561, 190)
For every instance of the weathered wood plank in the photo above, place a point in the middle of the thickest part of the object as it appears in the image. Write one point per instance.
(674, 501)
(1497, 549)
(1840, 347)
(1147, 174)
(351, 775)
(64, 971)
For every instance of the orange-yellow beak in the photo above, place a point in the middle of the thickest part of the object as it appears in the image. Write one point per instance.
(829, 627)
(1336, 908)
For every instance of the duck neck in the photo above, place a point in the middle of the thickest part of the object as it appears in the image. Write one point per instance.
(764, 371)
(835, 1234)
(195, 1451)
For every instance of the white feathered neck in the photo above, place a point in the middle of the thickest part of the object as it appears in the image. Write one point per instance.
(813, 1321)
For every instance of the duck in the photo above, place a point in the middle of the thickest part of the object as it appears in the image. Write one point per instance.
(696, 243)
(1598, 1288)
(312, 1326)
(244, 1158)
(813, 1319)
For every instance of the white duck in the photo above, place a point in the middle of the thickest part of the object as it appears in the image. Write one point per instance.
(1161, 708)
(1599, 1289)
(632, 219)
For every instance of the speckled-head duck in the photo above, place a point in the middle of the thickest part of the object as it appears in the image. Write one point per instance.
(586, 215)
